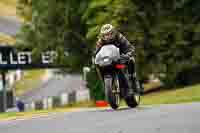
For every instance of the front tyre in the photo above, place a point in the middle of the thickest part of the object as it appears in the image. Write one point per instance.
(111, 91)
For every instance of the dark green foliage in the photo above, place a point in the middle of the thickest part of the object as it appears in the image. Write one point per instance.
(95, 85)
(169, 42)
(189, 76)
(56, 102)
(57, 25)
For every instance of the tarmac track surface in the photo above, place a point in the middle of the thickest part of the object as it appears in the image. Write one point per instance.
(180, 118)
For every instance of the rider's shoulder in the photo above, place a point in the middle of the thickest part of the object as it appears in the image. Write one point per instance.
(120, 36)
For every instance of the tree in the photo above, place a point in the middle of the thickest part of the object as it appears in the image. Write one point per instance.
(57, 25)
(168, 45)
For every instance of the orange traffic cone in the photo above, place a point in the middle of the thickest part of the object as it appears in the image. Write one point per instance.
(101, 103)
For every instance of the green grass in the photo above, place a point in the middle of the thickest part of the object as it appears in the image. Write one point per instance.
(7, 115)
(29, 81)
(181, 95)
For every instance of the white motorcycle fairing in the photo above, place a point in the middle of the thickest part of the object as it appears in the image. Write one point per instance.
(107, 55)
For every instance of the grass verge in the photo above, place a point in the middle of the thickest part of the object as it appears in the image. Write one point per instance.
(181, 95)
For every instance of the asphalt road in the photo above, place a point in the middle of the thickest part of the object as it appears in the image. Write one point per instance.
(54, 87)
(9, 26)
(182, 118)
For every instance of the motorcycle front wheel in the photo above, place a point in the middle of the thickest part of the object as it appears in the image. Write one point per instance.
(112, 91)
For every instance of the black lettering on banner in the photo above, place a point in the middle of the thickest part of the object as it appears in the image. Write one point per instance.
(13, 59)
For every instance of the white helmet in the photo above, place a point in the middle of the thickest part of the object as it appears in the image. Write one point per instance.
(107, 32)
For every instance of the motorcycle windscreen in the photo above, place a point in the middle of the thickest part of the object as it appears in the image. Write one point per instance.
(107, 55)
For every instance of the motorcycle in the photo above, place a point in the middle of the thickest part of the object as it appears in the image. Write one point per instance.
(115, 76)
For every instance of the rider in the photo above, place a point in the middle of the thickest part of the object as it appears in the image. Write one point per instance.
(109, 35)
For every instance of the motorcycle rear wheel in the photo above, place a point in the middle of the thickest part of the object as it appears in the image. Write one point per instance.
(133, 100)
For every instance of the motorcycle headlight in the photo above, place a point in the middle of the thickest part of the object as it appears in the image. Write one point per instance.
(106, 60)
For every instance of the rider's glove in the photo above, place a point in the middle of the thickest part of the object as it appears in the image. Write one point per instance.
(124, 58)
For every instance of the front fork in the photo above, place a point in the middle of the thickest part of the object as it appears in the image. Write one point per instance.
(115, 86)
(115, 82)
